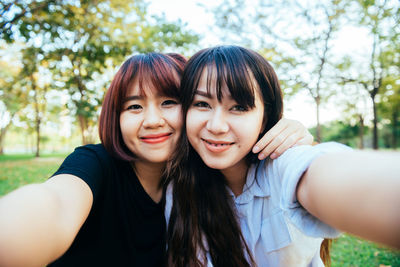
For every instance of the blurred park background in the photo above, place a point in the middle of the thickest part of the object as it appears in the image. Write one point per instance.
(338, 62)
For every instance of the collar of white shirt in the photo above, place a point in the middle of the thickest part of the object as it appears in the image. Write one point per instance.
(254, 187)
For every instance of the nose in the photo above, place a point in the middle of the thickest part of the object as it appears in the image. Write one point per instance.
(153, 118)
(217, 123)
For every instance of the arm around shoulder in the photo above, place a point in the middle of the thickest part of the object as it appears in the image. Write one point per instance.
(38, 222)
(356, 192)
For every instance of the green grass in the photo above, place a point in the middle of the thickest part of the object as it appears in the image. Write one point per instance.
(18, 170)
(350, 251)
(347, 251)
(14, 157)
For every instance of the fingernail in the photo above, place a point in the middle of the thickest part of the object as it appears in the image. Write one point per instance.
(261, 156)
(273, 155)
(256, 149)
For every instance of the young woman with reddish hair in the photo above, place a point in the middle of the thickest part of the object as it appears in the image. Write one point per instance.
(104, 206)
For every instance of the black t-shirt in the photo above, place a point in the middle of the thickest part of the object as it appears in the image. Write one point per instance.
(125, 227)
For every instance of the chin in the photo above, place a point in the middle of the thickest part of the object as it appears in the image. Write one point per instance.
(157, 159)
(216, 165)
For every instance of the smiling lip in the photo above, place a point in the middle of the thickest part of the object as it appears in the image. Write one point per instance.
(155, 138)
(217, 146)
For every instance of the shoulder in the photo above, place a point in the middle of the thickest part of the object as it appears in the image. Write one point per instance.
(89, 156)
(284, 173)
(97, 150)
(91, 163)
(298, 158)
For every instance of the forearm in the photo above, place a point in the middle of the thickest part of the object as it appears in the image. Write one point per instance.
(356, 192)
(30, 232)
(39, 222)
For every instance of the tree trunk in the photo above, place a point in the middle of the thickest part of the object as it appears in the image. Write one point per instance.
(361, 132)
(395, 116)
(375, 123)
(2, 135)
(318, 130)
(82, 119)
(83, 125)
(37, 116)
(38, 121)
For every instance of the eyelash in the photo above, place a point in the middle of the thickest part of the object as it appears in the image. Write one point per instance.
(201, 104)
(240, 108)
(169, 102)
(134, 107)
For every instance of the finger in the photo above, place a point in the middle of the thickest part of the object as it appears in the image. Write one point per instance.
(287, 138)
(308, 139)
(276, 142)
(285, 145)
(292, 140)
(270, 135)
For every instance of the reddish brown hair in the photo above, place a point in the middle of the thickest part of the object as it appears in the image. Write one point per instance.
(161, 72)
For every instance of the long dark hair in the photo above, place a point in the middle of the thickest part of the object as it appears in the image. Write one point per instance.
(203, 216)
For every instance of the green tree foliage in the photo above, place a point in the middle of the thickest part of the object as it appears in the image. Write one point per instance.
(389, 109)
(378, 75)
(33, 82)
(340, 131)
(14, 14)
(302, 36)
(314, 49)
(12, 96)
(83, 42)
(300, 33)
(389, 106)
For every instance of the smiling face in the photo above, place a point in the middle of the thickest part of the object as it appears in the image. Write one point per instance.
(150, 124)
(220, 130)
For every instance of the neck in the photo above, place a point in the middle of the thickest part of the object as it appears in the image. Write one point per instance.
(236, 176)
(149, 175)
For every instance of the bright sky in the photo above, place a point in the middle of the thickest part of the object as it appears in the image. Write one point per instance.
(351, 41)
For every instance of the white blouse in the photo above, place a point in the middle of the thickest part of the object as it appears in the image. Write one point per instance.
(277, 229)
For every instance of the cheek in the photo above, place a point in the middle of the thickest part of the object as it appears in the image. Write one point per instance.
(174, 118)
(129, 124)
(249, 128)
(196, 117)
(193, 122)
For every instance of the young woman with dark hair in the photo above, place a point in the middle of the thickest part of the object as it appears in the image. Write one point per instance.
(227, 208)
(104, 206)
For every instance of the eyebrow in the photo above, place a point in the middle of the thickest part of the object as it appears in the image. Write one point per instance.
(206, 94)
(132, 97)
(201, 93)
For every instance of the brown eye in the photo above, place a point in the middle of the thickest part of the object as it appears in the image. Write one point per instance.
(169, 102)
(134, 107)
(201, 104)
(239, 108)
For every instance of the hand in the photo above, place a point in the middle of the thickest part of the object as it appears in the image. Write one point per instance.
(285, 134)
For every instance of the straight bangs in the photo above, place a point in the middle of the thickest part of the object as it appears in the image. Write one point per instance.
(245, 73)
(222, 69)
(159, 73)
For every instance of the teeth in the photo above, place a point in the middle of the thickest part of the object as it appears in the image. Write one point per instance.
(216, 144)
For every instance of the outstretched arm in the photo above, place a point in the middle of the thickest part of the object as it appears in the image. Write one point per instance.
(356, 192)
(285, 134)
(38, 222)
